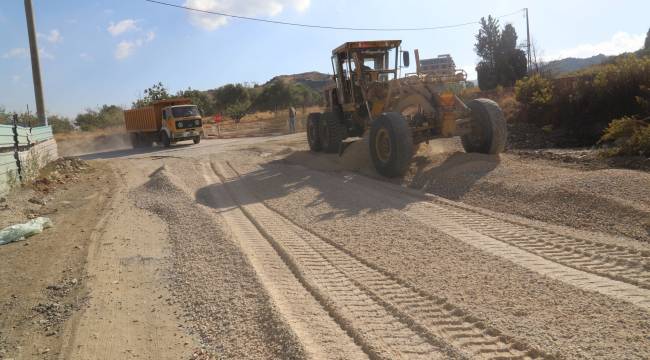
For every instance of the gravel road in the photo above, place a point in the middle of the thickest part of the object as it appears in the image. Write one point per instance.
(272, 252)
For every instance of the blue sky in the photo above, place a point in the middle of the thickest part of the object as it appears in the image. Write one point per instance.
(108, 51)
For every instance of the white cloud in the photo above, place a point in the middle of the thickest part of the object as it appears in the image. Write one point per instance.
(264, 8)
(15, 53)
(22, 53)
(85, 56)
(126, 48)
(122, 27)
(54, 36)
(150, 36)
(44, 54)
(619, 43)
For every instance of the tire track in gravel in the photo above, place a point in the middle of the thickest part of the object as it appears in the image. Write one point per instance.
(407, 317)
(321, 336)
(616, 271)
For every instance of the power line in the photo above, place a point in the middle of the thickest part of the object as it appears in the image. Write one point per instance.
(326, 27)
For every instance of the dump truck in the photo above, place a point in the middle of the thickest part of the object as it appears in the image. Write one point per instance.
(371, 98)
(165, 122)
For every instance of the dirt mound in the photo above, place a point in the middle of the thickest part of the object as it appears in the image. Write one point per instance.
(62, 171)
(357, 156)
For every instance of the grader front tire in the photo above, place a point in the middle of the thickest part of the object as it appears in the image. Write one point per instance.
(489, 134)
(391, 144)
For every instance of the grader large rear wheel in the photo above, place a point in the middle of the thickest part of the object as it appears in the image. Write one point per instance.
(313, 132)
(489, 134)
(391, 144)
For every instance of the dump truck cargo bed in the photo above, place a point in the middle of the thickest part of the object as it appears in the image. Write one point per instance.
(143, 119)
(149, 118)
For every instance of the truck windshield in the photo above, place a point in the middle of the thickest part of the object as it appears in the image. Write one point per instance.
(185, 111)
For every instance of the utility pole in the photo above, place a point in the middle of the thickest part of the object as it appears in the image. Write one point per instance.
(530, 64)
(36, 66)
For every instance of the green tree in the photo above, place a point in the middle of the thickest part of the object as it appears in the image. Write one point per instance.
(511, 64)
(273, 97)
(487, 47)
(111, 116)
(488, 40)
(28, 120)
(502, 63)
(154, 93)
(238, 110)
(105, 117)
(303, 95)
(647, 41)
(88, 120)
(5, 117)
(60, 124)
(200, 99)
(228, 95)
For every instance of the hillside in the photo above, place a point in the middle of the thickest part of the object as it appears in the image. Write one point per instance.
(313, 79)
(569, 65)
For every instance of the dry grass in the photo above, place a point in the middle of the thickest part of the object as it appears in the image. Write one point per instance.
(265, 123)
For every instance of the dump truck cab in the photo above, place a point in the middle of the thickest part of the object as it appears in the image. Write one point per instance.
(181, 122)
(164, 121)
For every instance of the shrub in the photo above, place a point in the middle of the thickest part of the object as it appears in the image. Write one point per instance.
(631, 136)
(583, 105)
(511, 108)
(535, 91)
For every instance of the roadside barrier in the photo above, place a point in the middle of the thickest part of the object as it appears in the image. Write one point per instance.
(24, 151)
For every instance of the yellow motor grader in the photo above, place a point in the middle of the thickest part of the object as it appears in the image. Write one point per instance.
(399, 112)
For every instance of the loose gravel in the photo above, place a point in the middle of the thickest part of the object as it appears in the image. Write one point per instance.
(212, 280)
(550, 315)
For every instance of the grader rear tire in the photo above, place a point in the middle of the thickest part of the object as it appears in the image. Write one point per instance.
(391, 144)
(331, 132)
(313, 132)
(489, 134)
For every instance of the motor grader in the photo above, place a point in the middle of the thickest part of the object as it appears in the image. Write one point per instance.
(398, 112)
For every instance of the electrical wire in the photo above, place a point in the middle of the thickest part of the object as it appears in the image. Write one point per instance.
(325, 27)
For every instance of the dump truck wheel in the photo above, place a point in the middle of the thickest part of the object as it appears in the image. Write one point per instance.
(331, 132)
(391, 144)
(197, 139)
(139, 140)
(165, 139)
(135, 141)
(489, 134)
(313, 132)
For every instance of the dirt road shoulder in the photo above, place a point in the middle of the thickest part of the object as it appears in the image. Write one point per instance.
(130, 313)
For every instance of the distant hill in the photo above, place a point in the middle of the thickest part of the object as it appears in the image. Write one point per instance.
(569, 65)
(313, 79)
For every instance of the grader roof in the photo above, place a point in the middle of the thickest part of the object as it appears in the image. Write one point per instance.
(356, 45)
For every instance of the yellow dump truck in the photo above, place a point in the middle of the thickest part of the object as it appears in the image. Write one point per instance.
(165, 122)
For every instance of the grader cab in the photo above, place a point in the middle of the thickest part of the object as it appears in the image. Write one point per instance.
(399, 112)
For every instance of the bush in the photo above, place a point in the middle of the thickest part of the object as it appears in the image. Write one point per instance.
(107, 116)
(583, 105)
(534, 92)
(631, 136)
(511, 108)
(60, 124)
